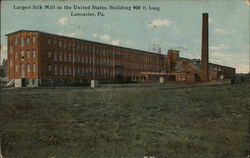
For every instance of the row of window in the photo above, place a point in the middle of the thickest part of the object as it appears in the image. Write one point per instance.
(102, 51)
(78, 71)
(28, 68)
(33, 53)
(23, 39)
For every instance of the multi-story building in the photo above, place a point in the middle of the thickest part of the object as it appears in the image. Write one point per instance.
(43, 58)
(39, 58)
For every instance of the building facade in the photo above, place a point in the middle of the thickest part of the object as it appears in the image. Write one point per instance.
(39, 58)
(43, 58)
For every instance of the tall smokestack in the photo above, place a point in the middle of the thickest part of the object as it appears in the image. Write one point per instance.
(204, 49)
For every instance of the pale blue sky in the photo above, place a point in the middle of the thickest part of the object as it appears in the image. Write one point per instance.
(177, 25)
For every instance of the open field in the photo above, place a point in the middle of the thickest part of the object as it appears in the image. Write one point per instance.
(207, 122)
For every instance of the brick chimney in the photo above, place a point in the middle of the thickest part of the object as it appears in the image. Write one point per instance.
(204, 49)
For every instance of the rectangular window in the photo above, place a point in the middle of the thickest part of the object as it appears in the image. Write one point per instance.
(34, 67)
(28, 67)
(49, 42)
(28, 40)
(65, 57)
(83, 71)
(16, 41)
(82, 59)
(69, 57)
(28, 54)
(16, 54)
(55, 56)
(10, 50)
(65, 70)
(55, 70)
(10, 63)
(34, 39)
(49, 67)
(16, 68)
(22, 54)
(34, 53)
(61, 57)
(79, 59)
(61, 70)
(69, 70)
(49, 54)
(22, 41)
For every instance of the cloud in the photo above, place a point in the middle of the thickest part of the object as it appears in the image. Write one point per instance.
(115, 42)
(104, 37)
(238, 60)
(219, 54)
(210, 20)
(72, 34)
(107, 38)
(158, 22)
(247, 2)
(223, 32)
(107, 25)
(219, 47)
(63, 20)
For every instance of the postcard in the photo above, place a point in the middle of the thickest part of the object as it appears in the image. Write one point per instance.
(124, 79)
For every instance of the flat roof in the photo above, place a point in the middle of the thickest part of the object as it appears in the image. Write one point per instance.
(84, 41)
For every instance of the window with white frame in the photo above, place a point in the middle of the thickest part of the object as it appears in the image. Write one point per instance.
(61, 70)
(16, 41)
(65, 70)
(65, 57)
(28, 67)
(34, 39)
(55, 56)
(60, 57)
(16, 69)
(69, 57)
(28, 54)
(34, 67)
(49, 54)
(55, 69)
(34, 53)
(49, 68)
(69, 70)
(49, 42)
(22, 41)
(28, 40)
(22, 54)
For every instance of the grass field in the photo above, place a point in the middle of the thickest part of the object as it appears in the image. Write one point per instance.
(201, 122)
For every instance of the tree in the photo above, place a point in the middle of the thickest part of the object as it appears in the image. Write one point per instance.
(3, 68)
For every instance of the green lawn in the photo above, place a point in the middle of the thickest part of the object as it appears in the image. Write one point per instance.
(207, 122)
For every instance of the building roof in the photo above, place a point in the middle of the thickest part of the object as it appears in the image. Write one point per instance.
(197, 62)
(84, 41)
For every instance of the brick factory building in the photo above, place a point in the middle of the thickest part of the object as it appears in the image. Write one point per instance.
(37, 58)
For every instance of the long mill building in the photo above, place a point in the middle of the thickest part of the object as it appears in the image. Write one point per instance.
(38, 58)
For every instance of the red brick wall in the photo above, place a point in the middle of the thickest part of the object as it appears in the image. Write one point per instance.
(15, 47)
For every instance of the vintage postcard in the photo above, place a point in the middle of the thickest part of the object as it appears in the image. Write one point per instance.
(124, 79)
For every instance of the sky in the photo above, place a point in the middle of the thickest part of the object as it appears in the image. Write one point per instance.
(175, 25)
